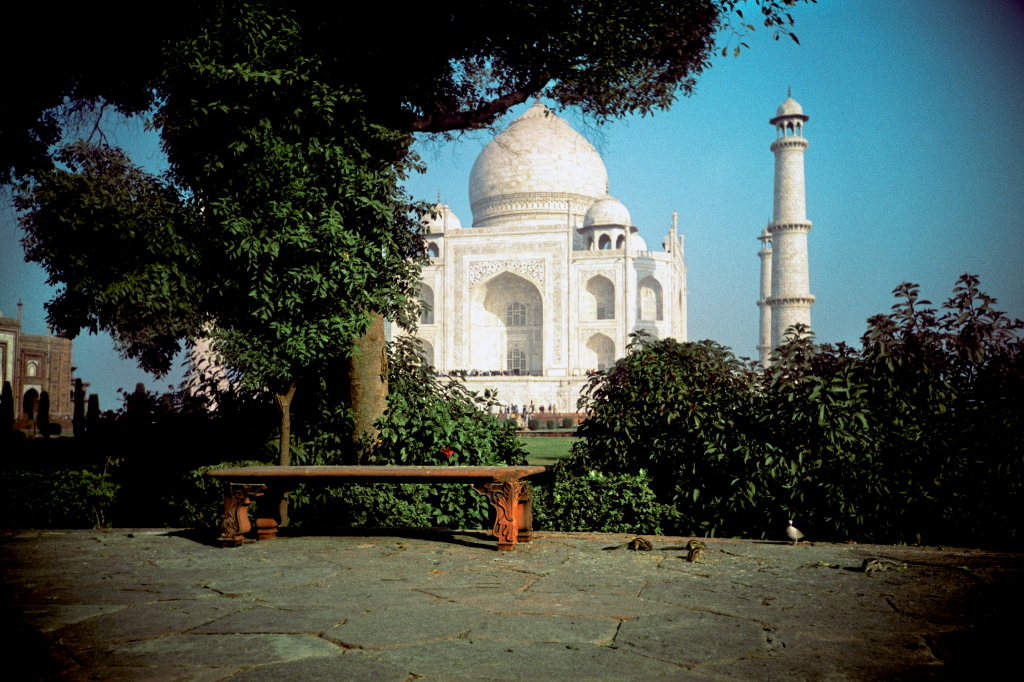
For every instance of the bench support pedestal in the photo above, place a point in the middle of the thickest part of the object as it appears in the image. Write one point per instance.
(268, 513)
(513, 506)
(235, 523)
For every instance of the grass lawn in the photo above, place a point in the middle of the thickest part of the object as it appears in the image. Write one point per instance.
(546, 451)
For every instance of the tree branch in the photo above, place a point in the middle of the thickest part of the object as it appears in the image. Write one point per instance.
(481, 116)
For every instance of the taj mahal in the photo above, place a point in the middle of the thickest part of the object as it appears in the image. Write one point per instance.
(553, 277)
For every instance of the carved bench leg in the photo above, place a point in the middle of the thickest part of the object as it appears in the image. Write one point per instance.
(524, 517)
(504, 497)
(268, 513)
(235, 523)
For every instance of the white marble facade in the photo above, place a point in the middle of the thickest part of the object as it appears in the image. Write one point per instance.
(551, 278)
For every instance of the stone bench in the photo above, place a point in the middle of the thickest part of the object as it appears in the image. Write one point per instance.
(505, 488)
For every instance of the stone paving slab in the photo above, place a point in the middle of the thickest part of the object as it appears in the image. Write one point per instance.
(148, 605)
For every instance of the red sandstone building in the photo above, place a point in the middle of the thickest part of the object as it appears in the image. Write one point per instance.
(36, 363)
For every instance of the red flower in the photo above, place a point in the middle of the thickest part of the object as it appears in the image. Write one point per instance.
(448, 452)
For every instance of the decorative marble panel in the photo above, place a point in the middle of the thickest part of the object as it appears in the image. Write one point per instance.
(481, 270)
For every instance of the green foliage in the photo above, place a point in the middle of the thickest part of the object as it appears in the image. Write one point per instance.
(430, 422)
(57, 499)
(566, 422)
(915, 435)
(599, 502)
(427, 422)
(609, 59)
(533, 424)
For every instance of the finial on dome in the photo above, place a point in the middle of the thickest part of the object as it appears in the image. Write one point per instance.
(789, 91)
(439, 197)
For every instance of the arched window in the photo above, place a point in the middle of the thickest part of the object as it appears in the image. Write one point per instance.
(620, 243)
(427, 301)
(515, 315)
(650, 300)
(32, 369)
(604, 243)
(428, 352)
(516, 361)
(433, 251)
(600, 352)
(602, 298)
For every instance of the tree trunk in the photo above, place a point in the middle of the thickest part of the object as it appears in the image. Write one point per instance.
(284, 403)
(368, 381)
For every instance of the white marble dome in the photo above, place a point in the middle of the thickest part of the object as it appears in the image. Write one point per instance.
(789, 108)
(606, 211)
(444, 219)
(534, 170)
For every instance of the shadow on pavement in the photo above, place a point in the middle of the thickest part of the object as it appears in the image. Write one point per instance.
(467, 538)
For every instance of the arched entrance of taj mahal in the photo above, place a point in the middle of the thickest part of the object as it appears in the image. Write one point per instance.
(507, 326)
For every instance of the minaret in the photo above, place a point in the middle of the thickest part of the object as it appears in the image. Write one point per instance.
(764, 339)
(790, 297)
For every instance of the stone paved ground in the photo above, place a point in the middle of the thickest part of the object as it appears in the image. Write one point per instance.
(165, 605)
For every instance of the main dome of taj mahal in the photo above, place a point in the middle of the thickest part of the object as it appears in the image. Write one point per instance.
(539, 158)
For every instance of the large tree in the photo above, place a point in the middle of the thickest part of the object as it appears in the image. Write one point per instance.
(280, 230)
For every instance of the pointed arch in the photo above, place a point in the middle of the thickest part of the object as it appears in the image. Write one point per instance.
(428, 351)
(600, 352)
(427, 301)
(650, 304)
(506, 313)
(599, 300)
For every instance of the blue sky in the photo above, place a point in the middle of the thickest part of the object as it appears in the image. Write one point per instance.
(915, 170)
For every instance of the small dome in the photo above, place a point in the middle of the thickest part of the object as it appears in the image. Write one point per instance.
(789, 108)
(637, 242)
(445, 219)
(765, 234)
(606, 211)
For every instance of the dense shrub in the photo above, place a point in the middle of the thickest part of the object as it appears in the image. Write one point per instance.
(916, 435)
(597, 502)
(533, 424)
(57, 499)
(551, 424)
(566, 422)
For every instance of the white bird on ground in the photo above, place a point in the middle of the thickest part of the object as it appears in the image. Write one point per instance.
(792, 533)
